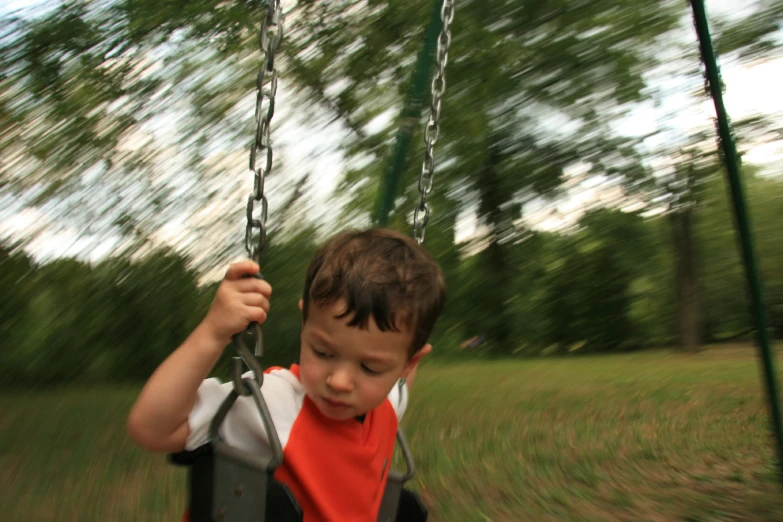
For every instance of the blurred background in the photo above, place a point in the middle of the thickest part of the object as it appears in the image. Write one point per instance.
(580, 212)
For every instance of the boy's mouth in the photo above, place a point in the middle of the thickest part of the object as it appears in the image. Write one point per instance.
(336, 404)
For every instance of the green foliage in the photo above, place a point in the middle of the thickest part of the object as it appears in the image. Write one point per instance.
(114, 321)
(16, 270)
(607, 286)
(726, 301)
(753, 36)
(653, 288)
(515, 69)
(585, 289)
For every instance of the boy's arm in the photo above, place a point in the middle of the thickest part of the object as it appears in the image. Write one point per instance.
(158, 420)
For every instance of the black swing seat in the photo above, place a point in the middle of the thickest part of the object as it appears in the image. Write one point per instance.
(224, 486)
(229, 485)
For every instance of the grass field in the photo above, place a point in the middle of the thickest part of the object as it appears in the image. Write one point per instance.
(653, 436)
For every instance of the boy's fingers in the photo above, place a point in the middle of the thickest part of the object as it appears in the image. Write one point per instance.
(238, 270)
(253, 285)
(256, 301)
(258, 315)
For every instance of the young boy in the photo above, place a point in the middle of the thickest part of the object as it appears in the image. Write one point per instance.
(370, 302)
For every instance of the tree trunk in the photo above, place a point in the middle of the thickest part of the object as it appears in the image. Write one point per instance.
(496, 257)
(688, 309)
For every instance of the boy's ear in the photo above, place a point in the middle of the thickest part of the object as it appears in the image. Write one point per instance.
(414, 361)
(301, 305)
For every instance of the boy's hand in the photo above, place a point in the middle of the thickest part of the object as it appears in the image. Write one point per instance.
(238, 302)
(159, 419)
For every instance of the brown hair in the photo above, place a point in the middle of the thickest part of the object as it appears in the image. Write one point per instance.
(382, 273)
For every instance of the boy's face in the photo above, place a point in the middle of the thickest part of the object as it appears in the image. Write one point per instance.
(347, 371)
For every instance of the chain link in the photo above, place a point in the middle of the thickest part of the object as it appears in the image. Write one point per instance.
(266, 88)
(432, 131)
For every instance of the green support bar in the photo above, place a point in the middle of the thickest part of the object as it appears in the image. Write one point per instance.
(742, 222)
(411, 114)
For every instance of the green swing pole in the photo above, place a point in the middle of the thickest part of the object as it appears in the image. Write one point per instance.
(742, 222)
(411, 113)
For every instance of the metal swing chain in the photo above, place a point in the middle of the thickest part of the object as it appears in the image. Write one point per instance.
(432, 131)
(266, 88)
(270, 39)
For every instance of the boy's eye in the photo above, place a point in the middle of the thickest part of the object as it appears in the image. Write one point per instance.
(370, 370)
(322, 355)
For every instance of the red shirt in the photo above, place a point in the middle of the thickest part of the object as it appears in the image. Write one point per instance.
(337, 470)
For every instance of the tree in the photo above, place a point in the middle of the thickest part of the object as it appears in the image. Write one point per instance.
(84, 90)
(513, 68)
(725, 297)
(586, 285)
(16, 272)
(678, 164)
(533, 89)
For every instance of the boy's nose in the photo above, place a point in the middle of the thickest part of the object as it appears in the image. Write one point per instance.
(340, 381)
